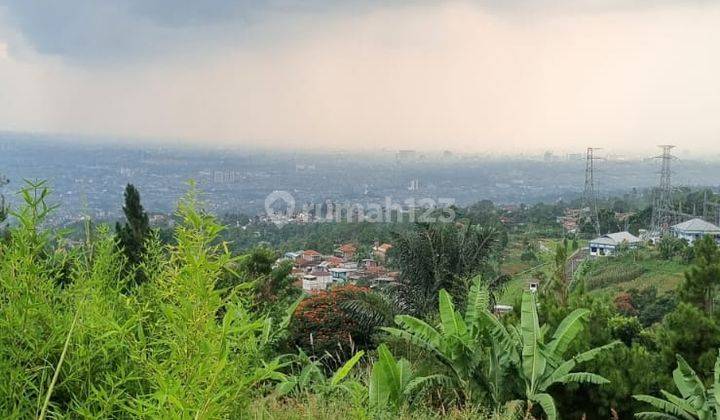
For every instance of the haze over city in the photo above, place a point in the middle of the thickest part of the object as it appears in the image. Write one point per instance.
(474, 76)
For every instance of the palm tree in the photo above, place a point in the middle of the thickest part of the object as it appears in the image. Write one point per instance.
(439, 256)
(696, 402)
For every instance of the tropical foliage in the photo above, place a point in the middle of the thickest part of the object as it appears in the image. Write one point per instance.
(209, 333)
(695, 400)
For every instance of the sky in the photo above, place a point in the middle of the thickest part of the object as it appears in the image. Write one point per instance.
(504, 76)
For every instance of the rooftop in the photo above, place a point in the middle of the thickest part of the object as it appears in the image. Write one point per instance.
(616, 238)
(696, 226)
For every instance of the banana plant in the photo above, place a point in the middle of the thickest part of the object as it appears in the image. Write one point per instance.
(459, 342)
(695, 402)
(311, 377)
(543, 364)
(393, 382)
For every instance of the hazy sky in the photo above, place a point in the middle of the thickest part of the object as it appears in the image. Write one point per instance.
(499, 75)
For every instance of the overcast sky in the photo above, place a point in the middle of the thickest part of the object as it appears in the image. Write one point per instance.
(499, 75)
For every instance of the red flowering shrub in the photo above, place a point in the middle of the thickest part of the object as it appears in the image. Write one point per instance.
(624, 304)
(320, 324)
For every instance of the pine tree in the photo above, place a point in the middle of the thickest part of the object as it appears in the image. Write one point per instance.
(703, 280)
(136, 230)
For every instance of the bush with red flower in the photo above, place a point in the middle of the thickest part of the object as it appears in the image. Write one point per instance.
(321, 325)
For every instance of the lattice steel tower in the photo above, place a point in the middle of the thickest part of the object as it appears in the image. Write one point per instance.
(663, 211)
(589, 208)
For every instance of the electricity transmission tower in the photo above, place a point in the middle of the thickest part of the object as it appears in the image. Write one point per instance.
(663, 213)
(3, 210)
(589, 209)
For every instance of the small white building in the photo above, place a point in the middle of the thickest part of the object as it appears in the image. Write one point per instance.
(608, 244)
(341, 274)
(695, 229)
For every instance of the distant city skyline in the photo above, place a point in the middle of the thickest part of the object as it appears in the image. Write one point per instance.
(467, 76)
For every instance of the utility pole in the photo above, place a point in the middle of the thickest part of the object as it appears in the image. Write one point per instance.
(589, 209)
(663, 214)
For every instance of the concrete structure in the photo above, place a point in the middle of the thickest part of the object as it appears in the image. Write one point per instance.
(341, 274)
(609, 243)
(310, 255)
(695, 229)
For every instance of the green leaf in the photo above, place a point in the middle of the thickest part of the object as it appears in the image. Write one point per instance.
(417, 385)
(593, 353)
(689, 385)
(417, 340)
(346, 368)
(655, 416)
(478, 301)
(420, 328)
(683, 404)
(547, 403)
(447, 314)
(566, 332)
(665, 406)
(584, 378)
(405, 373)
(378, 387)
(533, 363)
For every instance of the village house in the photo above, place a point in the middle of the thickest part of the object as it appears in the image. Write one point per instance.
(380, 251)
(341, 274)
(318, 279)
(346, 251)
(608, 244)
(311, 256)
(695, 229)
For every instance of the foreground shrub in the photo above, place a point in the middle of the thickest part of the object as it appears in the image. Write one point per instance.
(322, 325)
(172, 347)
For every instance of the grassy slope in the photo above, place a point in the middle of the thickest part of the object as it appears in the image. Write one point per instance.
(663, 274)
(522, 271)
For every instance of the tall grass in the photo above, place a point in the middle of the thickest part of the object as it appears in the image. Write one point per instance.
(172, 347)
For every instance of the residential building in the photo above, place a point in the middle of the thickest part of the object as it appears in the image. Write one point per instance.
(311, 256)
(346, 251)
(381, 251)
(608, 244)
(695, 229)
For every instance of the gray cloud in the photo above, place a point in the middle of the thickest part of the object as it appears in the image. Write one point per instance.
(115, 30)
(110, 30)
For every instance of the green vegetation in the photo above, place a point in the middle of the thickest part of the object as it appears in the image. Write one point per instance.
(694, 402)
(132, 236)
(209, 333)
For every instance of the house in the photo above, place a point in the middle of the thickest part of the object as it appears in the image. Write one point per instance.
(369, 262)
(695, 229)
(380, 251)
(318, 279)
(346, 251)
(322, 274)
(341, 274)
(311, 256)
(332, 262)
(609, 243)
